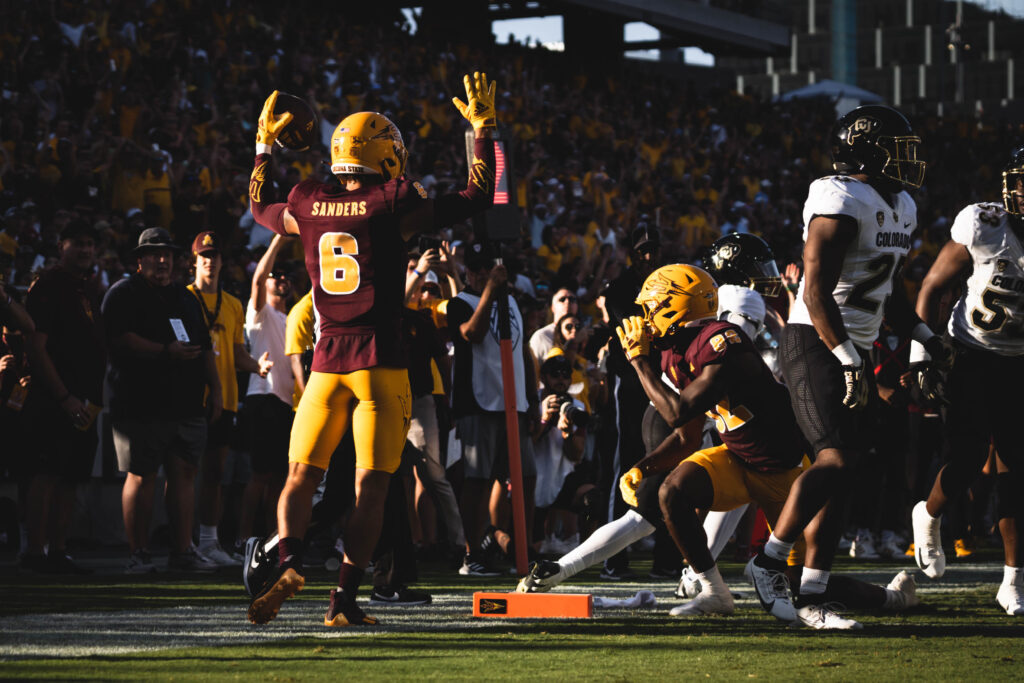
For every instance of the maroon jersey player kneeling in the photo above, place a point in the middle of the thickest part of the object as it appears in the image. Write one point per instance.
(353, 236)
(718, 371)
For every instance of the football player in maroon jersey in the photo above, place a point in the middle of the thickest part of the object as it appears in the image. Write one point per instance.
(718, 371)
(353, 235)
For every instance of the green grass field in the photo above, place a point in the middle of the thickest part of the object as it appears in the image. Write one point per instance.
(170, 626)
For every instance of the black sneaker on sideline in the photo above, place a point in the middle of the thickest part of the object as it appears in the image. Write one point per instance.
(286, 581)
(341, 612)
(618, 574)
(663, 574)
(474, 566)
(61, 563)
(402, 597)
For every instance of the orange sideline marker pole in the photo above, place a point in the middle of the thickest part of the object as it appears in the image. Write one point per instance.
(533, 605)
(515, 463)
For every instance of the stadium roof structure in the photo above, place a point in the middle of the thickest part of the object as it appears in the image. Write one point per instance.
(711, 25)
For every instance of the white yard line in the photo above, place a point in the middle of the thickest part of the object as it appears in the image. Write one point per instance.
(83, 634)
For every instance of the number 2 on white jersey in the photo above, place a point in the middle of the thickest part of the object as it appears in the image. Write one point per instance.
(339, 271)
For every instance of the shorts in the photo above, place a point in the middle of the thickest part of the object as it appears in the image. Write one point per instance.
(735, 484)
(270, 422)
(485, 446)
(220, 432)
(816, 390)
(61, 448)
(375, 402)
(143, 445)
(567, 495)
(984, 390)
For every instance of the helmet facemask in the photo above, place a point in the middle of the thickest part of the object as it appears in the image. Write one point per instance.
(902, 164)
(1013, 190)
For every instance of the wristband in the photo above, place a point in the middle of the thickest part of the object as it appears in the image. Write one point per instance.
(418, 273)
(847, 354)
(263, 149)
(918, 354)
(921, 333)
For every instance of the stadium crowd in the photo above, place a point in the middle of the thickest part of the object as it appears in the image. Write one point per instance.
(125, 153)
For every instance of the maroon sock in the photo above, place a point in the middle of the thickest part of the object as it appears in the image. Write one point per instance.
(289, 550)
(349, 578)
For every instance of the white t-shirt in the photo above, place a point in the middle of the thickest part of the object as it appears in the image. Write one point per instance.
(882, 242)
(265, 331)
(542, 341)
(990, 313)
(552, 466)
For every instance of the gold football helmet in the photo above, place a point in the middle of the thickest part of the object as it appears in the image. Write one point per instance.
(368, 143)
(677, 294)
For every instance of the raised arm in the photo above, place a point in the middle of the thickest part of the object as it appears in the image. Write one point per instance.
(479, 193)
(263, 268)
(273, 216)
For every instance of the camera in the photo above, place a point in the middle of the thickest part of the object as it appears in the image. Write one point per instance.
(427, 242)
(576, 416)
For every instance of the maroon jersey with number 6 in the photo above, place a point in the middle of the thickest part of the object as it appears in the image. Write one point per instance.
(754, 419)
(356, 260)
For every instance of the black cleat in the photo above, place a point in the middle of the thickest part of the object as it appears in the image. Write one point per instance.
(287, 580)
(341, 612)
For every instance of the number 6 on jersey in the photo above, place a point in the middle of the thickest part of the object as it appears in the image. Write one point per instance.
(339, 271)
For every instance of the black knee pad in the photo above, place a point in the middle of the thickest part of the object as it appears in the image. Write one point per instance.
(647, 498)
(1008, 495)
(590, 505)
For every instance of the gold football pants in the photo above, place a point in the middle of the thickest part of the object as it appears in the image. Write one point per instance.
(375, 402)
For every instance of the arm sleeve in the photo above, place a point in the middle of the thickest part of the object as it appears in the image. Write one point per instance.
(270, 216)
(479, 193)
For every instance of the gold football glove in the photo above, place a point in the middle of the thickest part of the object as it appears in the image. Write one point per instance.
(634, 337)
(270, 126)
(480, 110)
(628, 483)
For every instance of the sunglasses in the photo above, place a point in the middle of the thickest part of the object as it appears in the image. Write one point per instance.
(570, 299)
(571, 326)
(563, 374)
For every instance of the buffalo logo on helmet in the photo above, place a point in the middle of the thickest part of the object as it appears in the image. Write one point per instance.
(1001, 265)
(862, 126)
(880, 217)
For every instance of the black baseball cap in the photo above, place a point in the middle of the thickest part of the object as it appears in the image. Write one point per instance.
(478, 255)
(645, 237)
(555, 364)
(78, 228)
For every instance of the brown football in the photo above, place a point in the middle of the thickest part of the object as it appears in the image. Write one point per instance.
(300, 134)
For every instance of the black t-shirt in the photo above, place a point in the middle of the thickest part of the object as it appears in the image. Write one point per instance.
(66, 308)
(424, 344)
(154, 387)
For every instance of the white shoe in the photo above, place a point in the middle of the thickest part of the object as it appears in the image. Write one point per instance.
(928, 543)
(845, 542)
(566, 545)
(689, 584)
(905, 591)
(863, 546)
(891, 545)
(550, 546)
(772, 588)
(826, 617)
(1011, 599)
(217, 555)
(705, 603)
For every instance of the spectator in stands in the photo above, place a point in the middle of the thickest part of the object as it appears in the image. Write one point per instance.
(222, 314)
(563, 302)
(268, 403)
(478, 399)
(68, 356)
(161, 366)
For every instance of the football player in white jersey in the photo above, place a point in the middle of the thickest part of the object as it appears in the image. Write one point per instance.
(986, 329)
(857, 231)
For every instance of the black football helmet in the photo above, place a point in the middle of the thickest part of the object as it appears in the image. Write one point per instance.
(745, 260)
(1013, 182)
(878, 140)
